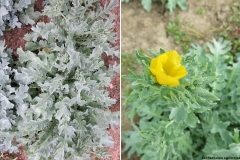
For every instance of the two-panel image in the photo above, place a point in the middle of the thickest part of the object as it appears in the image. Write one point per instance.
(119, 80)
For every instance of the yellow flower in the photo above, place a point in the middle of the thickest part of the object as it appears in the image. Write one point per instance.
(167, 68)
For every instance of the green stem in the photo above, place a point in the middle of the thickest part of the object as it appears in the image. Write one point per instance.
(49, 131)
(163, 6)
(83, 39)
(231, 77)
(193, 31)
(215, 143)
(104, 11)
(161, 153)
(228, 102)
(169, 123)
(234, 90)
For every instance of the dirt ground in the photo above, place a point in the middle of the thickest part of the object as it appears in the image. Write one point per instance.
(147, 30)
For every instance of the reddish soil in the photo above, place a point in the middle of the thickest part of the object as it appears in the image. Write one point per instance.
(20, 156)
(38, 5)
(114, 89)
(14, 39)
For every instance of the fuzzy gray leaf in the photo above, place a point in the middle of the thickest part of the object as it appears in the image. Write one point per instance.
(52, 85)
(3, 12)
(59, 154)
(20, 94)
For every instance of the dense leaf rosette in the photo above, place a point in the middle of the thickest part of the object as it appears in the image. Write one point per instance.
(53, 100)
(167, 68)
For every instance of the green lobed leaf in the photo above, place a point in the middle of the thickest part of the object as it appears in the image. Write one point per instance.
(147, 4)
(178, 114)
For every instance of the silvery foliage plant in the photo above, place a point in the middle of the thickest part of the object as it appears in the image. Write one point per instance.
(54, 99)
(13, 13)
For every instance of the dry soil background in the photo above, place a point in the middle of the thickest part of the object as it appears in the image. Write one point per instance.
(147, 30)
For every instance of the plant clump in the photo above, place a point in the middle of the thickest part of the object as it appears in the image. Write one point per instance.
(198, 118)
(54, 99)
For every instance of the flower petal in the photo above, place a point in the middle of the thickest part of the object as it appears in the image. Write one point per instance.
(153, 63)
(154, 71)
(174, 58)
(173, 61)
(162, 58)
(164, 79)
(179, 72)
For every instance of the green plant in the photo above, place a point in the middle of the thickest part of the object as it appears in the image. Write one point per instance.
(128, 61)
(183, 35)
(172, 4)
(201, 11)
(168, 4)
(53, 100)
(230, 29)
(196, 119)
(174, 29)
